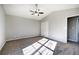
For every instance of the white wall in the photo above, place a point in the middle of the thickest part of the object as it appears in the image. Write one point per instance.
(2, 27)
(57, 22)
(17, 27)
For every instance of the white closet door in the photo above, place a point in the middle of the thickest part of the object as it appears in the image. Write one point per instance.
(44, 29)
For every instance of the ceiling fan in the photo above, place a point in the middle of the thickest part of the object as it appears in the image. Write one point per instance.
(36, 11)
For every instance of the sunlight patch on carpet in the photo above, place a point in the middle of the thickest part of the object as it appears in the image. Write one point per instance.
(42, 47)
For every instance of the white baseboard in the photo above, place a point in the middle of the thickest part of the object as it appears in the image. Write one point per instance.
(19, 38)
(2, 45)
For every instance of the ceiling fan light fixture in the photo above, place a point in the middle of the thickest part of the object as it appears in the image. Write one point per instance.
(36, 11)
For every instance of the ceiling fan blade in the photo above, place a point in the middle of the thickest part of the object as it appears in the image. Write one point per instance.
(38, 9)
(38, 14)
(32, 14)
(31, 11)
(41, 12)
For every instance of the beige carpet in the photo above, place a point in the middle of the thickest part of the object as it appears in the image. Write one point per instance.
(15, 47)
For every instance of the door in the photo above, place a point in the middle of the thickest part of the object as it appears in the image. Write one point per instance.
(44, 29)
(72, 29)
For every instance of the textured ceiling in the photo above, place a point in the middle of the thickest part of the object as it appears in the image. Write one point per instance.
(22, 10)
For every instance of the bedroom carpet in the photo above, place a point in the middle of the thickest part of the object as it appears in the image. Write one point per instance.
(15, 47)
